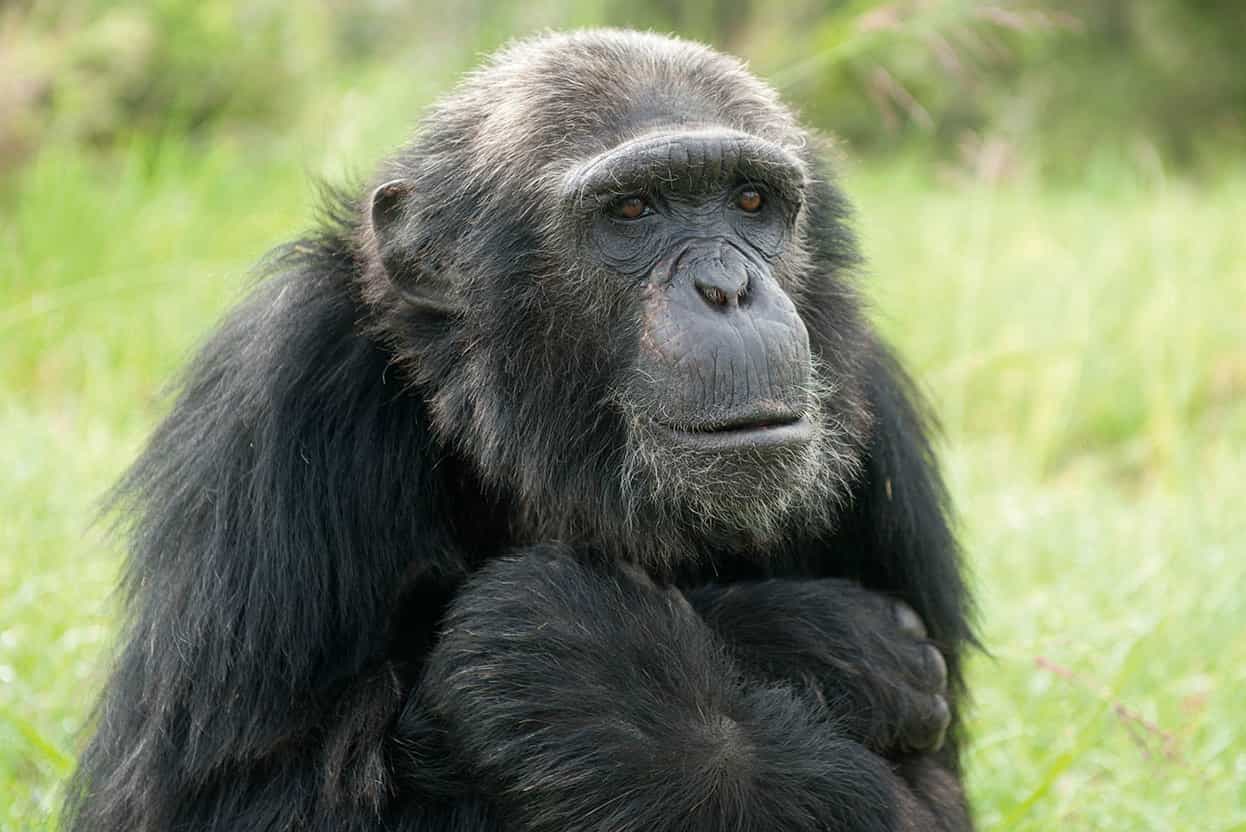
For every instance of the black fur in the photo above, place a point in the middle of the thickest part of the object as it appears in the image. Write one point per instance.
(385, 573)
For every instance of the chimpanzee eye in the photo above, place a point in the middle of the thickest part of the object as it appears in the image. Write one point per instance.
(749, 200)
(630, 207)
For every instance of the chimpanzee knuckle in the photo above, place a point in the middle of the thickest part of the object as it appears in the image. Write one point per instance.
(936, 668)
(941, 719)
(927, 730)
(908, 620)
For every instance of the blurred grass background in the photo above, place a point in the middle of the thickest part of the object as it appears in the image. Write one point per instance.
(1053, 200)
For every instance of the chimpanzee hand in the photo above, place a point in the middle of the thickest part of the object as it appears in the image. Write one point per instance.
(580, 696)
(865, 656)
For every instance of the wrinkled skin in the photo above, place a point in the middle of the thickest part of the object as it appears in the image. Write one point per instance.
(556, 483)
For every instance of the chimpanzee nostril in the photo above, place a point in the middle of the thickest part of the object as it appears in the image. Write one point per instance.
(712, 294)
(721, 291)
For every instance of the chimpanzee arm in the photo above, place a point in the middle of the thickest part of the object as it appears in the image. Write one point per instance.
(898, 539)
(273, 514)
(860, 653)
(582, 697)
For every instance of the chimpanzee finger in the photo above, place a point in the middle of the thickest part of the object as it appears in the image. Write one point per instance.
(927, 726)
(908, 620)
(936, 667)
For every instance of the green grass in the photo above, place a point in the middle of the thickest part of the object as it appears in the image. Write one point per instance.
(1086, 346)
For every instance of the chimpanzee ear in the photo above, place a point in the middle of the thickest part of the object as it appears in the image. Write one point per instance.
(423, 284)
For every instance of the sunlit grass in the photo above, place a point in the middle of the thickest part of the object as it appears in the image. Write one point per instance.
(1084, 346)
(1087, 350)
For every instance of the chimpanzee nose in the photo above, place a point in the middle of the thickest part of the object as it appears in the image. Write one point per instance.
(720, 287)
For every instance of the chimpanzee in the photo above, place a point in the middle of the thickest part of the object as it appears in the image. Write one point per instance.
(556, 482)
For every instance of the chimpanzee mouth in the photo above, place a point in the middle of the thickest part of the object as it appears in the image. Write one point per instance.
(743, 432)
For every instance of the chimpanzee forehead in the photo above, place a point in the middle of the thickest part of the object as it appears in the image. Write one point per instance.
(603, 86)
(655, 108)
(545, 106)
(645, 103)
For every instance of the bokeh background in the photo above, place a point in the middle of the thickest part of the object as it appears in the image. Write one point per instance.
(1052, 196)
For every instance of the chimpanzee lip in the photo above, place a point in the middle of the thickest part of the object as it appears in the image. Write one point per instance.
(770, 430)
